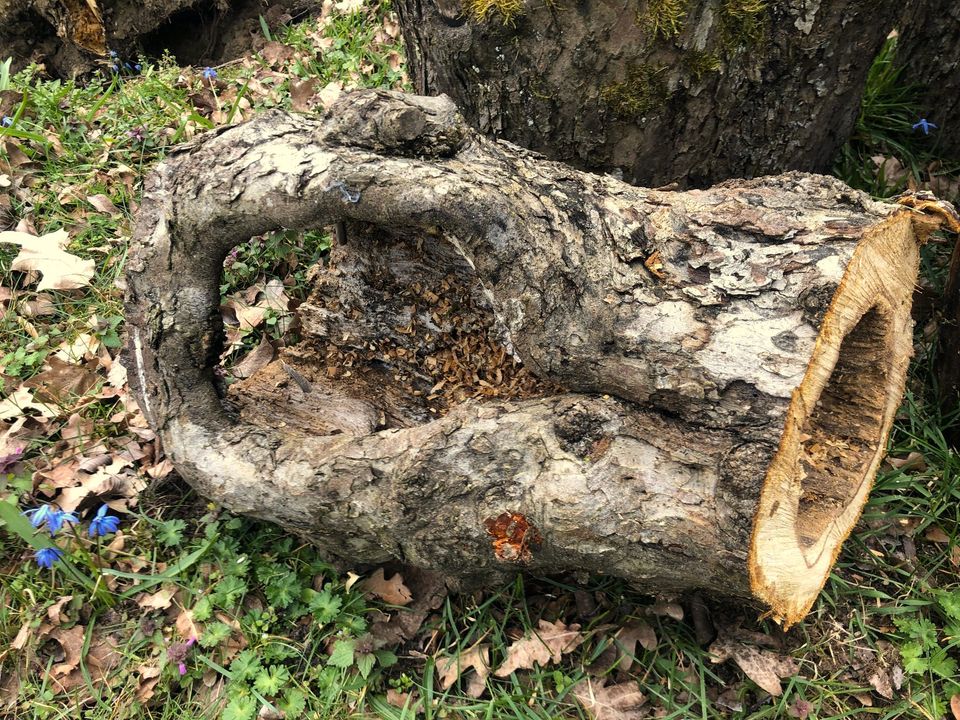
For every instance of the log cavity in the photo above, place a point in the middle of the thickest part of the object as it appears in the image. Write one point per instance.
(399, 327)
(842, 435)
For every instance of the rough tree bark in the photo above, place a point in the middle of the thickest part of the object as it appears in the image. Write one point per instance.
(928, 51)
(73, 37)
(687, 91)
(701, 359)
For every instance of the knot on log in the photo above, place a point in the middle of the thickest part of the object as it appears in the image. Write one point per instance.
(393, 123)
(718, 370)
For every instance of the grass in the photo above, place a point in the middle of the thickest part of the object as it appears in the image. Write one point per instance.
(278, 628)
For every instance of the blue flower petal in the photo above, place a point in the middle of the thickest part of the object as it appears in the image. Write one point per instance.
(46, 557)
(38, 516)
(103, 523)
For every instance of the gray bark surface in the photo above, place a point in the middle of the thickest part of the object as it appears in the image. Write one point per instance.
(666, 332)
(928, 51)
(733, 93)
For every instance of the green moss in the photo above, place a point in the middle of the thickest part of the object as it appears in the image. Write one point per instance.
(742, 22)
(701, 62)
(644, 89)
(481, 10)
(662, 18)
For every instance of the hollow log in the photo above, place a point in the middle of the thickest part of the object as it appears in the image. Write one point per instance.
(510, 364)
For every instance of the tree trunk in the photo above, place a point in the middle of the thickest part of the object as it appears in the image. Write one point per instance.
(665, 90)
(532, 366)
(74, 37)
(928, 51)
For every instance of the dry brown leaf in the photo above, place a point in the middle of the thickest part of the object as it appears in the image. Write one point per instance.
(549, 643)
(882, 684)
(77, 431)
(103, 204)
(186, 626)
(349, 6)
(159, 600)
(46, 254)
(765, 668)
(149, 677)
(71, 640)
(669, 609)
(301, 93)
(627, 639)
(800, 709)
(255, 360)
(53, 612)
(247, 316)
(451, 668)
(81, 348)
(40, 306)
(331, 91)
(23, 635)
(61, 381)
(913, 461)
(610, 702)
(100, 659)
(14, 405)
(936, 534)
(106, 481)
(399, 699)
(117, 377)
(391, 591)
(955, 706)
(275, 53)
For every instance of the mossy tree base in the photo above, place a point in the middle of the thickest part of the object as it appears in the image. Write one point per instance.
(510, 364)
(686, 91)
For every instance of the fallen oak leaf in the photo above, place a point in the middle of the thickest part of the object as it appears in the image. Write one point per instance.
(955, 706)
(881, 682)
(103, 204)
(26, 630)
(549, 643)
(255, 360)
(159, 600)
(47, 255)
(391, 591)
(610, 702)
(54, 611)
(669, 609)
(13, 405)
(765, 668)
(627, 639)
(71, 640)
(453, 667)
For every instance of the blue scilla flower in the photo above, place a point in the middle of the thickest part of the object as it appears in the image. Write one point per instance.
(209, 73)
(53, 517)
(46, 557)
(924, 125)
(103, 523)
(58, 518)
(7, 121)
(38, 516)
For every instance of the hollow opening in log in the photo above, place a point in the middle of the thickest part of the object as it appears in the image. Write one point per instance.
(836, 428)
(844, 432)
(396, 331)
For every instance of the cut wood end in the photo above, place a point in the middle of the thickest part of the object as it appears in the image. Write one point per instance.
(837, 426)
